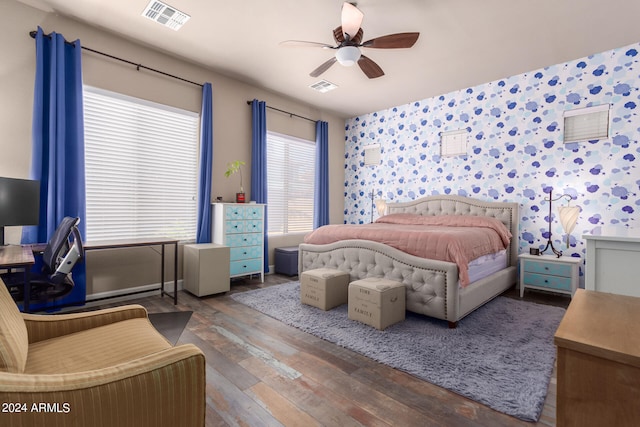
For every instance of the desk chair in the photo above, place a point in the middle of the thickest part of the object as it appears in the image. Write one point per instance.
(62, 252)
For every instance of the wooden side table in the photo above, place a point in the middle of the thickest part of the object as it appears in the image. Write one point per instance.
(599, 361)
(549, 273)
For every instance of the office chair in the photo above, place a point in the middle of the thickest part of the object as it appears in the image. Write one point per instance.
(62, 252)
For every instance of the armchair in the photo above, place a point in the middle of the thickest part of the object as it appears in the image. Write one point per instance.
(103, 368)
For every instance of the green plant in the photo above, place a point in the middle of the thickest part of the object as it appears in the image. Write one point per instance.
(233, 167)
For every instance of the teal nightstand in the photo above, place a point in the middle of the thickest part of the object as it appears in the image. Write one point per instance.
(549, 273)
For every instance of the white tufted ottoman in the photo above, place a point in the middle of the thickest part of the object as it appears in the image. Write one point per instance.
(377, 302)
(324, 288)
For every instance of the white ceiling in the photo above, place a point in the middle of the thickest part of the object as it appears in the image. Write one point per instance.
(462, 42)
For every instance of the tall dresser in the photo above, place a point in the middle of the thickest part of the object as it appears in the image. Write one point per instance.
(241, 227)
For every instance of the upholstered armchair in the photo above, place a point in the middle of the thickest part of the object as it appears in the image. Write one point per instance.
(102, 368)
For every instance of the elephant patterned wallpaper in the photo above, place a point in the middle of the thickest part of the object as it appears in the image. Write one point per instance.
(515, 148)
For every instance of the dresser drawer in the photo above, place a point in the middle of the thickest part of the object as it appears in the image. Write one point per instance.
(542, 267)
(233, 226)
(245, 266)
(250, 239)
(547, 281)
(253, 212)
(253, 226)
(234, 212)
(245, 252)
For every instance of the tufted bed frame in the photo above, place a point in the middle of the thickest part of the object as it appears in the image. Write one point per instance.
(431, 286)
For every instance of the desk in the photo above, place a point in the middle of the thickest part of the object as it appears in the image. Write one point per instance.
(16, 256)
(132, 243)
(599, 361)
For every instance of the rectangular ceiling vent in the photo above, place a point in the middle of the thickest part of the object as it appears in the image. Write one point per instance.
(323, 86)
(166, 15)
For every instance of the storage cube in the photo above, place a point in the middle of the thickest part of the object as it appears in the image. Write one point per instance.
(287, 260)
(377, 302)
(324, 288)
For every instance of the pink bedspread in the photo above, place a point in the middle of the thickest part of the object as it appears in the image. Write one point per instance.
(453, 238)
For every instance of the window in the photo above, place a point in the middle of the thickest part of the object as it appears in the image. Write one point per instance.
(453, 143)
(141, 168)
(586, 124)
(290, 181)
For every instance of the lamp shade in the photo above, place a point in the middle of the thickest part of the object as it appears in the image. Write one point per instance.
(568, 218)
(348, 55)
(381, 206)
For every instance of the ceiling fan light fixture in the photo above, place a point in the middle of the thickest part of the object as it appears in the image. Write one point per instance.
(348, 55)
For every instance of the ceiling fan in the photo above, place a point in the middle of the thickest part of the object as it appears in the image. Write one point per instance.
(348, 37)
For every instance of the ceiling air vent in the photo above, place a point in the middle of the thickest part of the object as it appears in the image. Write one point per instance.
(323, 86)
(166, 15)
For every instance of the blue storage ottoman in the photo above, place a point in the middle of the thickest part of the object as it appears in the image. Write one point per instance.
(287, 260)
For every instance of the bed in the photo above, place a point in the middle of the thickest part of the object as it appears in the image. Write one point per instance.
(433, 287)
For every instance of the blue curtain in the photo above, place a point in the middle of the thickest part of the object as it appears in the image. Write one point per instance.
(259, 163)
(203, 234)
(321, 183)
(58, 145)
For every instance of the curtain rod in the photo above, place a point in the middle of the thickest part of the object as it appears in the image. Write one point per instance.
(286, 112)
(138, 66)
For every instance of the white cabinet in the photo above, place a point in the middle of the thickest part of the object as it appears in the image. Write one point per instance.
(206, 268)
(613, 261)
(241, 227)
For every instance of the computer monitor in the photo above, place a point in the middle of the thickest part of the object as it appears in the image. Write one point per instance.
(19, 203)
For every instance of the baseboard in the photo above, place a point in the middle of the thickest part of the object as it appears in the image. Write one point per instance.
(127, 294)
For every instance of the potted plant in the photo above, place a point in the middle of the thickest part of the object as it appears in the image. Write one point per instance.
(233, 167)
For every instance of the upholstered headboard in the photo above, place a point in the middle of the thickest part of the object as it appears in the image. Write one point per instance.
(506, 212)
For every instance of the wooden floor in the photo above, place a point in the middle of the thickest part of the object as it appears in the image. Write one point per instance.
(262, 372)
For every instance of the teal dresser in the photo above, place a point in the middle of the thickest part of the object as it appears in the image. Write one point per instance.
(241, 227)
(549, 273)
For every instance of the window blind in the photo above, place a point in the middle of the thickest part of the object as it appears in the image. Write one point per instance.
(141, 168)
(290, 184)
(586, 124)
(453, 143)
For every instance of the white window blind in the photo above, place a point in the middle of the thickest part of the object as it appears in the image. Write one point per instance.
(290, 182)
(141, 168)
(586, 124)
(453, 143)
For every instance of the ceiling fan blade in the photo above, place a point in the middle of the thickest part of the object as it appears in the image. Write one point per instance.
(338, 35)
(393, 41)
(324, 67)
(351, 19)
(357, 39)
(370, 68)
(302, 43)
